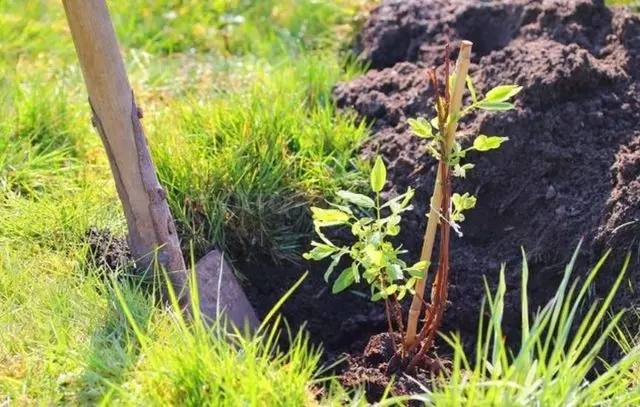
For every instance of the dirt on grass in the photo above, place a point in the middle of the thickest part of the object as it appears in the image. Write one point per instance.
(107, 252)
(570, 170)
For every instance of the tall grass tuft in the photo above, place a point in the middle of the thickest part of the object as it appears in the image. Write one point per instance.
(202, 365)
(556, 362)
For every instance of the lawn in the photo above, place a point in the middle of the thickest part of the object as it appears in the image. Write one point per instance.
(245, 137)
(242, 132)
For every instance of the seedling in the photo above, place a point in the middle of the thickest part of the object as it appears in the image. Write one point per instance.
(373, 258)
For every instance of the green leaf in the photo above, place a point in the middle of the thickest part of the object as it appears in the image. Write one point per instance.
(344, 280)
(328, 217)
(360, 200)
(361, 227)
(355, 271)
(421, 265)
(495, 106)
(391, 289)
(357, 229)
(456, 200)
(421, 127)
(434, 123)
(336, 259)
(407, 197)
(458, 171)
(320, 251)
(402, 291)
(376, 297)
(376, 257)
(395, 272)
(452, 82)
(393, 230)
(502, 93)
(433, 152)
(371, 274)
(393, 220)
(378, 175)
(472, 89)
(419, 270)
(400, 202)
(343, 208)
(376, 238)
(463, 202)
(486, 143)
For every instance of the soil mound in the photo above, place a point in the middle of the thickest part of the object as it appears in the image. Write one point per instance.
(571, 168)
(369, 370)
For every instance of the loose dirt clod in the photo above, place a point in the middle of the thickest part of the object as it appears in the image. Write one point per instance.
(369, 369)
(107, 251)
(572, 166)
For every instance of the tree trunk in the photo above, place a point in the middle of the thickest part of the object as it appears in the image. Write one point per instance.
(152, 234)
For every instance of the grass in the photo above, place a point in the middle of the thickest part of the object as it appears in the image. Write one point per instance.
(237, 110)
(244, 136)
(242, 167)
(557, 362)
(624, 2)
(234, 174)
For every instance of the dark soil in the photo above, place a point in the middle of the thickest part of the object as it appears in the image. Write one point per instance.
(108, 252)
(369, 369)
(341, 323)
(570, 170)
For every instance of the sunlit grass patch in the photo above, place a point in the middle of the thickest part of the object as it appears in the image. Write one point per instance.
(190, 363)
(47, 315)
(243, 167)
(266, 28)
(238, 114)
(39, 135)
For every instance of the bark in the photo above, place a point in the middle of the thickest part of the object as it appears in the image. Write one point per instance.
(152, 234)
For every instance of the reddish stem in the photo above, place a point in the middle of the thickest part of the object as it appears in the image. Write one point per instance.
(441, 281)
(388, 312)
(435, 312)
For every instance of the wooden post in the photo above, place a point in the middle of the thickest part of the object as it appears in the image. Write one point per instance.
(462, 68)
(116, 117)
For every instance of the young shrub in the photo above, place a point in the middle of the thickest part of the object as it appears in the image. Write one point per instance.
(373, 258)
